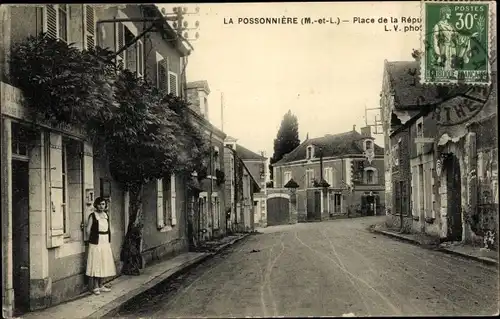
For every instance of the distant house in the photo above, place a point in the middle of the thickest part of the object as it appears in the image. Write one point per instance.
(208, 219)
(257, 166)
(352, 167)
(240, 189)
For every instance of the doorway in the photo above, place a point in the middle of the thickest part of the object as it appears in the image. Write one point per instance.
(20, 235)
(454, 198)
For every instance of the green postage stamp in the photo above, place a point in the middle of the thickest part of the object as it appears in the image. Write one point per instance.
(456, 42)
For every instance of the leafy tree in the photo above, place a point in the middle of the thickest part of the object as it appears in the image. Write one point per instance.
(145, 134)
(287, 138)
(61, 83)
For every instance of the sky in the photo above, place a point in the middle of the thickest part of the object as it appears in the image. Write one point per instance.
(326, 74)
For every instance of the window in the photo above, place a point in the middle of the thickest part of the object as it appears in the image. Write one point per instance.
(328, 173)
(286, 177)
(90, 27)
(166, 204)
(310, 152)
(309, 178)
(337, 203)
(216, 158)
(56, 21)
(370, 176)
(368, 145)
(161, 72)
(20, 141)
(255, 203)
(173, 86)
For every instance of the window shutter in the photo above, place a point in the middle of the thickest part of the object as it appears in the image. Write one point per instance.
(88, 178)
(173, 195)
(162, 74)
(334, 177)
(56, 225)
(159, 204)
(140, 59)
(414, 192)
(120, 41)
(172, 84)
(51, 21)
(89, 27)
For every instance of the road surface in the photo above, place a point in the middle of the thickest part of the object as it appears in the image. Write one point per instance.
(330, 268)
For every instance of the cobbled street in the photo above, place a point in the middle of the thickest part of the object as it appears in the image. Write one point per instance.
(324, 269)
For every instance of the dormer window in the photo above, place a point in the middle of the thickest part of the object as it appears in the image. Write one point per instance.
(310, 152)
(368, 145)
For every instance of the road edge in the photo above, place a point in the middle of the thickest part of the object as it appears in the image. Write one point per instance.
(111, 308)
(485, 260)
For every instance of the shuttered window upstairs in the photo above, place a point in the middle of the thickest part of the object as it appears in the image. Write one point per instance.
(63, 17)
(173, 85)
(50, 20)
(120, 42)
(90, 26)
(140, 58)
(161, 72)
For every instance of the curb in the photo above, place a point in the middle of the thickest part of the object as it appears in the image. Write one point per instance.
(485, 260)
(112, 307)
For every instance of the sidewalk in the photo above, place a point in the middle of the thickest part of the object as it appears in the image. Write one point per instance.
(125, 288)
(458, 249)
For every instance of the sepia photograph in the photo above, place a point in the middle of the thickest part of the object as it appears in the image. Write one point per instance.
(249, 160)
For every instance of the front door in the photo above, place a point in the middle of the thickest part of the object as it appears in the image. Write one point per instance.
(454, 197)
(20, 234)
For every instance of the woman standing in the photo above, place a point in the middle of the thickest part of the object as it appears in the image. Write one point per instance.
(100, 262)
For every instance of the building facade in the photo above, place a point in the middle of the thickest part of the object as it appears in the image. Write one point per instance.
(210, 219)
(451, 144)
(351, 164)
(241, 188)
(51, 175)
(258, 168)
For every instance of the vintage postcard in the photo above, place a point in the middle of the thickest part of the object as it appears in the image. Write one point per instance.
(241, 160)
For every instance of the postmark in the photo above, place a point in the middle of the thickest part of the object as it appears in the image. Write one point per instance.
(456, 42)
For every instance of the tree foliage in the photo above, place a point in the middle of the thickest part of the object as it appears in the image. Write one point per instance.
(287, 138)
(61, 83)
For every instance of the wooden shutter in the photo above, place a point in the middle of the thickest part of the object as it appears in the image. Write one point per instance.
(173, 196)
(414, 193)
(56, 217)
(120, 42)
(140, 58)
(51, 21)
(172, 84)
(162, 74)
(88, 179)
(89, 27)
(160, 218)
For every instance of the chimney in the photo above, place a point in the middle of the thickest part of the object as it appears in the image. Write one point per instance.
(354, 128)
(366, 131)
(197, 95)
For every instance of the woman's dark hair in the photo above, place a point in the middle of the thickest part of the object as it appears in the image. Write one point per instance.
(99, 200)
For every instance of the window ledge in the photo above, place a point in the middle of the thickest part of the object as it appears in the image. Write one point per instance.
(70, 247)
(430, 220)
(165, 229)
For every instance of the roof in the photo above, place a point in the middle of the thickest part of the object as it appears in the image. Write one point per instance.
(409, 93)
(332, 145)
(202, 84)
(256, 185)
(246, 154)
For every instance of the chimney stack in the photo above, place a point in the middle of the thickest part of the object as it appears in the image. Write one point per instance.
(354, 128)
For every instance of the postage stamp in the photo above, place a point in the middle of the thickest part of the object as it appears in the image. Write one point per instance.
(456, 42)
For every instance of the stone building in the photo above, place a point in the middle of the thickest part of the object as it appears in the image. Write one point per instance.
(352, 167)
(51, 175)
